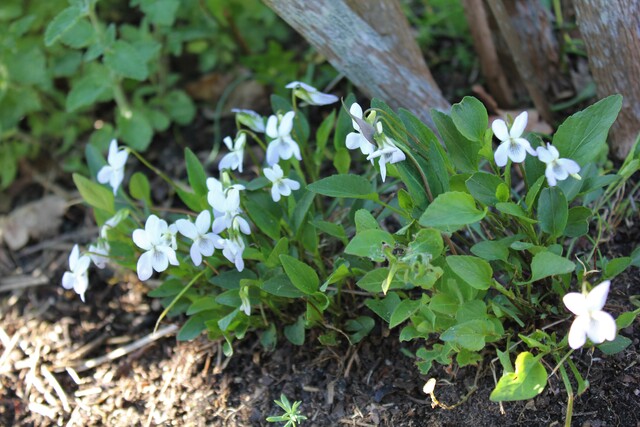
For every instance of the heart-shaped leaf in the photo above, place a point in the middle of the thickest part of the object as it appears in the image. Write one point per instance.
(528, 380)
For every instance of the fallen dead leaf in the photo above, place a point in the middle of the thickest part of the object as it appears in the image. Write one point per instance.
(34, 220)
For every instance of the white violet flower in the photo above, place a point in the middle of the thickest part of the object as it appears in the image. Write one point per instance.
(310, 94)
(590, 320)
(99, 253)
(234, 159)
(282, 146)
(512, 146)
(557, 169)
(232, 249)
(159, 254)
(387, 152)
(281, 186)
(170, 236)
(245, 302)
(356, 139)
(226, 205)
(78, 276)
(250, 119)
(113, 222)
(113, 173)
(203, 240)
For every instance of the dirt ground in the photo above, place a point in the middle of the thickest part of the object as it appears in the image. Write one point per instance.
(59, 365)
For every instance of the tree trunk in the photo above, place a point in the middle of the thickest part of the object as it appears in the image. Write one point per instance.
(611, 32)
(370, 41)
(492, 70)
(521, 58)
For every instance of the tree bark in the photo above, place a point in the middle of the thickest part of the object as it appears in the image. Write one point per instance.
(611, 32)
(521, 59)
(484, 46)
(371, 43)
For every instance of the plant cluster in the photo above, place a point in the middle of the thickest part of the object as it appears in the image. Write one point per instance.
(484, 254)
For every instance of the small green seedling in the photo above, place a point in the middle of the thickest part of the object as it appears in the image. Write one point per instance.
(291, 416)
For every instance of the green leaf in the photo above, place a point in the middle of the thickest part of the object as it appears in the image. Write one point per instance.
(527, 381)
(351, 186)
(61, 24)
(451, 211)
(432, 158)
(179, 106)
(470, 335)
(475, 271)
(483, 187)
(359, 328)
(463, 152)
(365, 221)
(194, 326)
(202, 304)
(80, 35)
(322, 136)
(342, 160)
(295, 332)
(512, 209)
(372, 280)
(384, 307)
(553, 211)
(86, 91)
(139, 188)
(265, 220)
(95, 194)
(124, 59)
(444, 303)
(403, 311)
(190, 199)
(282, 247)
(626, 319)
(369, 243)
(160, 12)
(545, 264)
(195, 172)
(281, 286)
(470, 118)
(332, 229)
(301, 275)
(135, 129)
(615, 346)
(616, 266)
(168, 288)
(303, 205)
(427, 241)
(492, 250)
(584, 134)
(577, 222)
